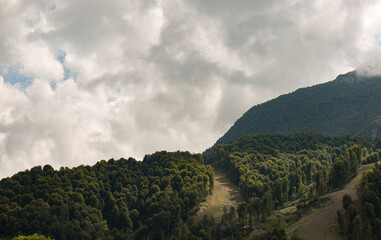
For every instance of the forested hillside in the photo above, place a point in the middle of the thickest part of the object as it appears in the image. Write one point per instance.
(156, 198)
(123, 199)
(362, 220)
(345, 106)
(273, 169)
(373, 129)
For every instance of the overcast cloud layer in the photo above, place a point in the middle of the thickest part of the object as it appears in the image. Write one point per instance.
(82, 81)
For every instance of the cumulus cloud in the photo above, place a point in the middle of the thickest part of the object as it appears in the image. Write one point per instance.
(160, 75)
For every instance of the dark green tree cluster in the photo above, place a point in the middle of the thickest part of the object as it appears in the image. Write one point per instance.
(231, 226)
(345, 166)
(123, 199)
(362, 220)
(372, 158)
(234, 224)
(273, 169)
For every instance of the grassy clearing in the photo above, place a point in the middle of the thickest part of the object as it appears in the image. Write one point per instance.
(224, 193)
(320, 223)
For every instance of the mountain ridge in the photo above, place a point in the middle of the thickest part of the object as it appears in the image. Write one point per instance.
(343, 106)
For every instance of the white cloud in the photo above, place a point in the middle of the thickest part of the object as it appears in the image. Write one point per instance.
(154, 75)
(371, 68)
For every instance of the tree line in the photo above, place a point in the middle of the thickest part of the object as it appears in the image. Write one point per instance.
(117, 199)
(156, 198)
(271, 170)
(362, 219)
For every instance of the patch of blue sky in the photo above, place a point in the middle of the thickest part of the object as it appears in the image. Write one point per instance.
(61, 56)
(13, 76)
(53, 85)
(67, 72)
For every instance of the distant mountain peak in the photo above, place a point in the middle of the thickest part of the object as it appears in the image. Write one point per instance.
(349, 77)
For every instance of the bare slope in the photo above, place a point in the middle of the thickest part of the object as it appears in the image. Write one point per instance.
(224, 194)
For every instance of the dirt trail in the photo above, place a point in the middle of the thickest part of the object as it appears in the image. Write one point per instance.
(321, 223)
(224, 194)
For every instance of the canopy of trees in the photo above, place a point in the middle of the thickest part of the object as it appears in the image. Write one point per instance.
(156, 198)
(273, 169)
(110, 200)
(362, 220)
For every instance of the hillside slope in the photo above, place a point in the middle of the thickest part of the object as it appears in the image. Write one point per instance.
(345, 106)
(118, 199)
(322, 223)
(276, 170)
(373, 129)
(225, 194)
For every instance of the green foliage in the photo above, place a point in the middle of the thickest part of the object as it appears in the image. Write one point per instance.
(372, 158)
(363, 220)
(110, 200)
(345, 166)
(340, 107)
(32, 237)
(234, 224)
(274, 169)
(154, 198)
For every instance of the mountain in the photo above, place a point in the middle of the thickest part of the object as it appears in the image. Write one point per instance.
(373, 129)
(347, 105)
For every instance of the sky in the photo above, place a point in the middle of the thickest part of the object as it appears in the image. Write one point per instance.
(82, 81)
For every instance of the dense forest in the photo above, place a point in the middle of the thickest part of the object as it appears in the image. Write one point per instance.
(271, 170)
(274, 170)
(362, 219)
(111, 200)
(156, 198)
(345, 106)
